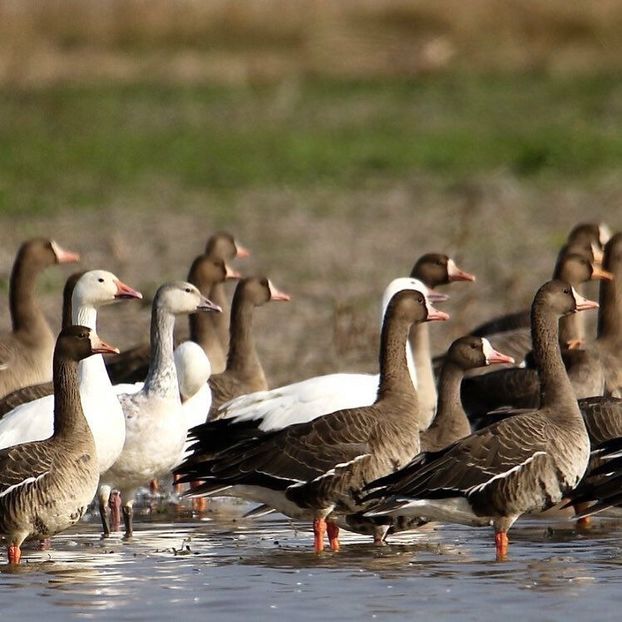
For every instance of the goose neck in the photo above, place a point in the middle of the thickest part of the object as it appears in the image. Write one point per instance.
(162, 376)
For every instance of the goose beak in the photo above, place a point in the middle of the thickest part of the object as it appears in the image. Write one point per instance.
(208, 305)
(242, 251)
(125, 292)
(456, 274)
(434, 296)
(230, 273)
(277, 295)
(583, 304)
(493, 356)
(601, 275)
(434, 315)
(101, 347)
(598, 255)
(64, 256)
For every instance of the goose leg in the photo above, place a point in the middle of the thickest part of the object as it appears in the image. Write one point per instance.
(319, 529)
(14, 554)
(154, 487)
(501, 544)
(199, 504)
(585, 521)
(103, 498)
(115, 510)
(333, 536)
(128, 513)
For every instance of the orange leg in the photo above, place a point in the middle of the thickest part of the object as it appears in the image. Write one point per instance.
(319, 529)
(501, 543)
(154, 487)
(333, 536)
(14, 554)
(586, 520)
(178, 487)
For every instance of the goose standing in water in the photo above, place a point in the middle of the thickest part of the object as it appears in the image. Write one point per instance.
(26, 351)
(154, 424)
(311, 469)
(46, 486)
(526, 463)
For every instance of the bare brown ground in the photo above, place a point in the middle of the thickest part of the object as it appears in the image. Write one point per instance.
(334, 251)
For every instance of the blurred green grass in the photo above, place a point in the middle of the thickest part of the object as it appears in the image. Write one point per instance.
(81, 145)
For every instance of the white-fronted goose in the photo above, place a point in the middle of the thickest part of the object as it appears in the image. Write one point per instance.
(518, 387)
(522, 464)
(34, 420)
(312, 469)
(26, 351)
(244, 373)
(433, 269)
(155, 429)
(46, 486)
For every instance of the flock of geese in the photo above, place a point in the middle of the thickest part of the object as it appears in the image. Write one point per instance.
(517, 417)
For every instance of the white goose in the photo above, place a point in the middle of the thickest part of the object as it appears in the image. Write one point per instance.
(155, 426)
(308, 399)
(33, 421)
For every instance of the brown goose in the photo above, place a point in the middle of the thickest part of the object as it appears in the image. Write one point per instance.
(244, 373)
(220, 246)
(450, 423)
(26, 351)
(309, 469)
(522, 464)
(46, 486)
(432, 269)
(518, 387)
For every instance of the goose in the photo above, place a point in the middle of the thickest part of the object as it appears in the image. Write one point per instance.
(26, 351)
(33, 420)
(522, 464)
(311, 469)
(46, 486)
(154, 425)
(518, 387)
(307, 399)
(244, 373)
(206, 271)
(212, 330)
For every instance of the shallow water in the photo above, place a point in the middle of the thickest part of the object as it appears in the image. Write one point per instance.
(230, 568)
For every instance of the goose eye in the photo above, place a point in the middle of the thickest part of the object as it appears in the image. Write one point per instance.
(100, 279)
(188, 290)
(566, 291)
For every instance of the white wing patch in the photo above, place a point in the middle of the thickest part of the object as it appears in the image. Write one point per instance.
(480, 487)
(28, 480)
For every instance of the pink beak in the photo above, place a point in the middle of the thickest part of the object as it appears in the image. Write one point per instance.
(101, 347)
(64, 256)
(497, 357)
(277, 295)
(230, 273)
(242, 251)
(125, 291)
(434, 315)
(583, 304)
(456, 274)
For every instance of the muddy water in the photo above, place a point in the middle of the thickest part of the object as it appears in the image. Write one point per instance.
(222, 567)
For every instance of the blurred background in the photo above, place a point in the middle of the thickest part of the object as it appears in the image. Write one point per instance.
(338, 140)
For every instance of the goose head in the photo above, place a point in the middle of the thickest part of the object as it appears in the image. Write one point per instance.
(413, 306)
(594, 235)
(222, 245)
(193, 368)
(96, 288)
(470, 352)
(79, 342)
(182, 298)
(436, 269)
(207, 269)
(562, 299)
(577, 269)
(45, 252)
(260, 290)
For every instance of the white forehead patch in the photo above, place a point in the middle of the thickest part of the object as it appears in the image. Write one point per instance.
(487, 349)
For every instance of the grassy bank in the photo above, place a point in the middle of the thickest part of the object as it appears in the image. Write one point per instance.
(83, 146)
